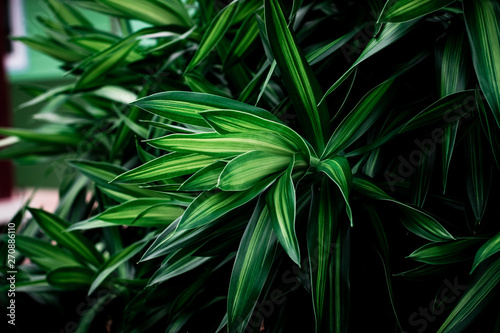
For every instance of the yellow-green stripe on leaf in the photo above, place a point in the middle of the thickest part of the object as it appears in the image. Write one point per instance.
(281, 202)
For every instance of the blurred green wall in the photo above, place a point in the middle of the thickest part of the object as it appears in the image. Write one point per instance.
(42, 71)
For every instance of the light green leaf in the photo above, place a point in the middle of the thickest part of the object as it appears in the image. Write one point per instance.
(166, 167)
(214, 33)
(247, 169)
(232, 121)
(251, 267)
(184, 107)
(205, 179)
(339, 171)
(281, 203)
(157, 213)
(208, 207)
(215, 144)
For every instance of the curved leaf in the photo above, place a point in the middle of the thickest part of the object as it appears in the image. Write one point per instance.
(339, 171)
(223, 145)
(281, 203)
(405, 10)
(489, 248)
(184, 107)
(214, 33)
(55, 228)
(245, 170)
(416, 221)
(301, 84)
(482, 18)
(166, 167)
(251, 267)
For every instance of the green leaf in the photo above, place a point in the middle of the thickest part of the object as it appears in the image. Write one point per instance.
(318, 54)
(482, 18)
(55, 138)
(223, 145)
(44, 254)
(166, 167)
(360, 119)
(93, 75)
(214, 33)
(251, 267)
(381, 245)
(421, 180)
(416, 221)
(300, 82)
(70, 278)
(55, 228)
(102, 173)
(117, 260)
(247, 169)
(444, 111)
(184, 107)
(474, 298)
(243, 41)
(406, 10)
(339, 171)
(489, 248)
(152, 11)
(389, 34)
(208, 207)
(198, 83)
(231, 121)
(67, 14)
(490, 128)
(205, 179)
(52, 49)
(323, 244)
(179, 263)
(281, 203)
(445, 253)
(478, 173)
(452, 61)
(136, 212)
(124, 131)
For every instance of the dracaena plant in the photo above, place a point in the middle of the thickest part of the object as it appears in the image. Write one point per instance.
(264, 166)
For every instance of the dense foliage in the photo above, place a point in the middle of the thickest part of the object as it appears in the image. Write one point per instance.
(264, 166)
